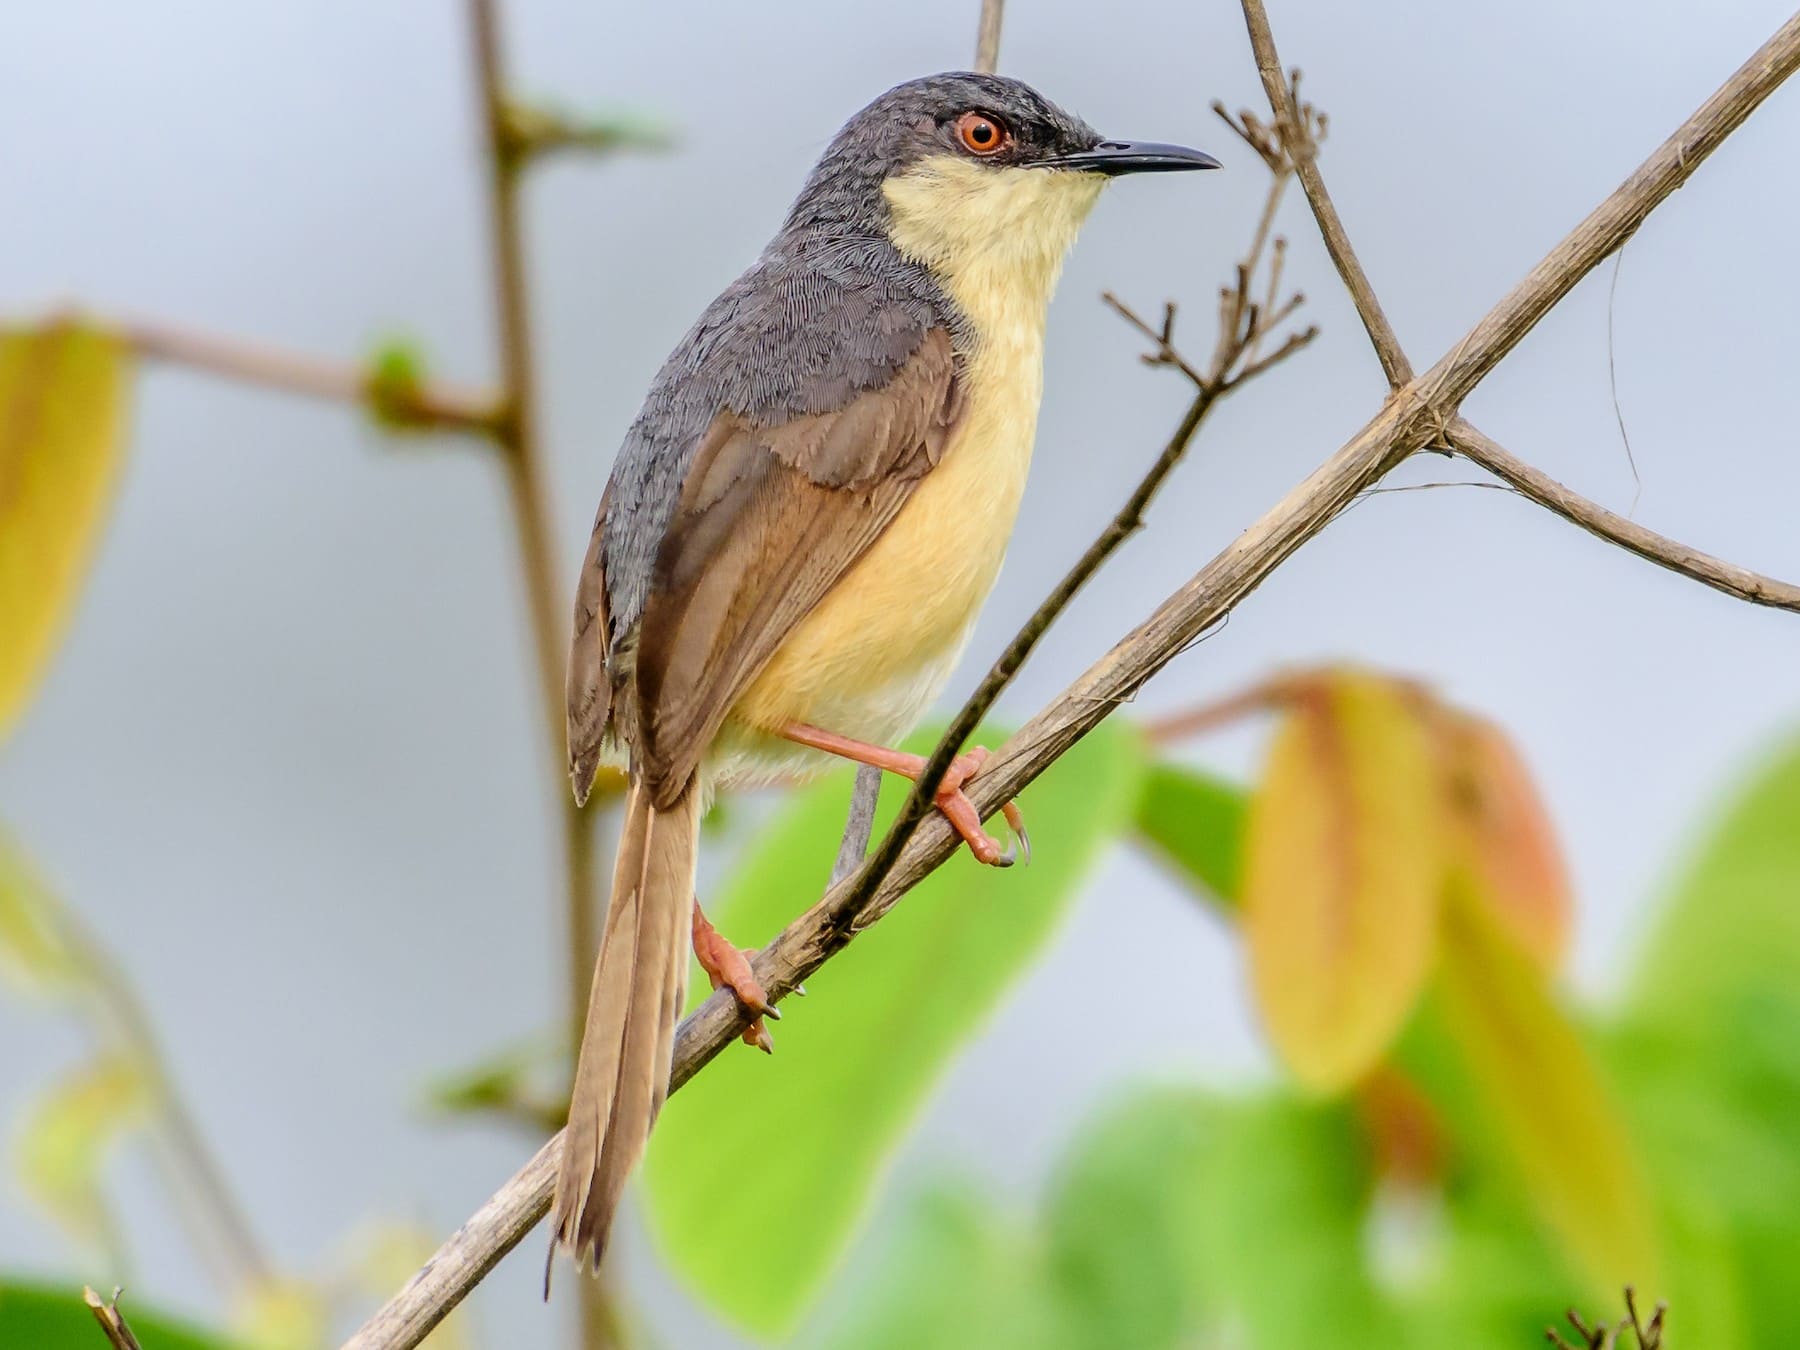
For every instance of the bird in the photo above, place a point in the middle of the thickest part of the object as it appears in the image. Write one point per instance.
(799, 530)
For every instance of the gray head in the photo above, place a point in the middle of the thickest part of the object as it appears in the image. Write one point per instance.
(987, 123)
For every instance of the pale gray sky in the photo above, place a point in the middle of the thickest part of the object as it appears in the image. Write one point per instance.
(288, 761)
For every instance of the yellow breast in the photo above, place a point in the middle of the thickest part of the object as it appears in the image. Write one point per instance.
(874, 654)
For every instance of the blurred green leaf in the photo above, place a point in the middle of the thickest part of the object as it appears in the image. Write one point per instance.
(1124, 1263)
(41, 1317)
(1343, 867)
(1708, 1045)
(955, 1275)
(1281, 1204)
(1732, 930)
(1546, 1102)
(803, 1135)
(62, 412)
(35, 954)
(68, 1135)
(1196, 823)
(526, 1082)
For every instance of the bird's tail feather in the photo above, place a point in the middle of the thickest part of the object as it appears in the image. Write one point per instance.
(640, 984)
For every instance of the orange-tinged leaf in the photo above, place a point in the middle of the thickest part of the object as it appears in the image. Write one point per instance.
(61, 413)
(1503, 839)
(1406, 1139)
(1343, 871)
(1551, 1110)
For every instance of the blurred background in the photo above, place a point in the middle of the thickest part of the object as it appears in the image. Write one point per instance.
(288, 764)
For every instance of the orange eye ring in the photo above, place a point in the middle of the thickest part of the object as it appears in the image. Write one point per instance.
(982, 134)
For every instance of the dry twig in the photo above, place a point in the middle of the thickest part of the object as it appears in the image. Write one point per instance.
(112, 1321)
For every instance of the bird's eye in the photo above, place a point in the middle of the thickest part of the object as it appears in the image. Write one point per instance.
(981, 133)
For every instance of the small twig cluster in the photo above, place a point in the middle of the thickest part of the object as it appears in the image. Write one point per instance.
(1607, 1335)
(1246, 321)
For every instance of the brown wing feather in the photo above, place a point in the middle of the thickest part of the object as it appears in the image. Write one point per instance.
(769, 519)
(589, 680)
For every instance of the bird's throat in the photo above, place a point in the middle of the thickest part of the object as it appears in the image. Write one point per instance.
(994, 238)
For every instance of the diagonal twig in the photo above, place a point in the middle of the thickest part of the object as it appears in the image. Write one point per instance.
(1303, 148)
(1534, 483)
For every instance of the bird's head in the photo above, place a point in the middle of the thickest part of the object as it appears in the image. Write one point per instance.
(973, 173)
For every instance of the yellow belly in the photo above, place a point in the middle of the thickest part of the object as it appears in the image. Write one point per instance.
(870, 660)
(872, 657)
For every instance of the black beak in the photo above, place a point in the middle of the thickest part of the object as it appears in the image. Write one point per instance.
(1113, 158)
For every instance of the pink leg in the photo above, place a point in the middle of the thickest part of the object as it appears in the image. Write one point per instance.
(951, 799)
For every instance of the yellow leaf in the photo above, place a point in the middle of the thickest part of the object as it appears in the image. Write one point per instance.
(68, 1135)
(1549, 1106)
(61, 412)
(281, 1315)
(1503, 839)
(34, 950)
(1343, 870)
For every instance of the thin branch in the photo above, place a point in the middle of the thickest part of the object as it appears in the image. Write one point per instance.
(1480, 449)
(1264, 695)
(112, 1321)
(987, 36)
(433, 405)
(1401, 426)
(1301, 143)
(528, 493)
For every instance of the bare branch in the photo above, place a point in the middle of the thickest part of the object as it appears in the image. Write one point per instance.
(1295, 122)
(987, 36)
(1470, 443)
(1404, 423)
(432, 405)
(111, 1320)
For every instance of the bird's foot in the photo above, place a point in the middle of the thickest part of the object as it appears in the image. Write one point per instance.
(963, 817)
(950, 798)
(728, 967)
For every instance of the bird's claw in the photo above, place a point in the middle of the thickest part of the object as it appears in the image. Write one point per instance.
(728, 967)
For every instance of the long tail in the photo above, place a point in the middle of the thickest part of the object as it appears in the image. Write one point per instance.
(640, 983)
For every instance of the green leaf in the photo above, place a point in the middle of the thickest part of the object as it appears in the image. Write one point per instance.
(68, 1135)
(62, 412)
(1196, 823)
(41, 1317)
(1708, 1047)
(1122, 1259)
(35, 953)
(956, 1274)
(1731, 932)
(1280, 1205)
(804, 1135)
(1343, 866)
(526, 1082)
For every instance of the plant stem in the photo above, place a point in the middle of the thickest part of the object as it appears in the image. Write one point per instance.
(521, 448)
